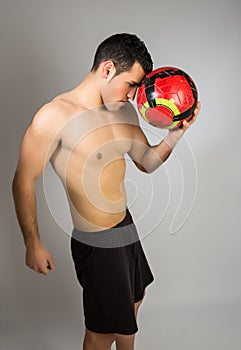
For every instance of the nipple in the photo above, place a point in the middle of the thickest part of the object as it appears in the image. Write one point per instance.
(99, 156)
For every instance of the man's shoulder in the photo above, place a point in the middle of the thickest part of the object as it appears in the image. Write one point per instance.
(57, 111)
(65, 105)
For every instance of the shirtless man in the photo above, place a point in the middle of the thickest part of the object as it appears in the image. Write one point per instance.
(85, 134)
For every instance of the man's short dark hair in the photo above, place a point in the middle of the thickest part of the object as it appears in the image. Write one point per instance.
(123, 50)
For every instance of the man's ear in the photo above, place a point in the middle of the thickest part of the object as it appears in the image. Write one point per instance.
(108, 70)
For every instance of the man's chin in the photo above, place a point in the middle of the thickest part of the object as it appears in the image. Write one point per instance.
(113, 107)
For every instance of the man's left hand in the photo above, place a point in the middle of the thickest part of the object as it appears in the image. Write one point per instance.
(178, 132)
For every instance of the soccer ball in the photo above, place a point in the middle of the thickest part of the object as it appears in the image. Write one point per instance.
(167, 97)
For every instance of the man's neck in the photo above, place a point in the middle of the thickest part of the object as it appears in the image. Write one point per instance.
(87, 93)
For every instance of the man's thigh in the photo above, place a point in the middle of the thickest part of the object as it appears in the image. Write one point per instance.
(98, 341)
(138, 304)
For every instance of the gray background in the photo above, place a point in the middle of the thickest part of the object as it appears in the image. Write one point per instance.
(46, 48)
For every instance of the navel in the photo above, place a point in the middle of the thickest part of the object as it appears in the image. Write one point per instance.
(99, 155)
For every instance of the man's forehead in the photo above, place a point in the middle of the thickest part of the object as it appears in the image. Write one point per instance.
(137, 73)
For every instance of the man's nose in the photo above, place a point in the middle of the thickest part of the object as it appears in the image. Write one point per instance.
(131, 94)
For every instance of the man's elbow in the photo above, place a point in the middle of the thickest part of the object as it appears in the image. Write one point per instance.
(21, 182)
(15, 181)
(148, 169)
(140, 167)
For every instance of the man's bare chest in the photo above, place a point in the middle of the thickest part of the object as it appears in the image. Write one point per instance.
(96, 139)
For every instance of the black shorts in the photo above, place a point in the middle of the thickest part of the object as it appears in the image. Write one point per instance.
(113, 277)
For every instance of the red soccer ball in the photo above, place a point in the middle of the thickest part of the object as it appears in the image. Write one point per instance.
(167, 97)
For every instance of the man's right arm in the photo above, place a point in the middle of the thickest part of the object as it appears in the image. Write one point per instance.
(39, 143)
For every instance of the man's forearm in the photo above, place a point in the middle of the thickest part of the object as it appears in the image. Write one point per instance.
(164, 149)
(25, 206)
(158, 154)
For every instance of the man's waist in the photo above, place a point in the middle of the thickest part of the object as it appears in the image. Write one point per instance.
(122, 234)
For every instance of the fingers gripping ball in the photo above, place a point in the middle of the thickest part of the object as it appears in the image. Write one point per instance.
(167, 97)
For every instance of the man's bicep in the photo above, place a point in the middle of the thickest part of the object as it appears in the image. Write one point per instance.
(139, 145)
(39, 143)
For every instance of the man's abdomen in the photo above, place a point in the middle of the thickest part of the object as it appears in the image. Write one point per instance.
(97, 198)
